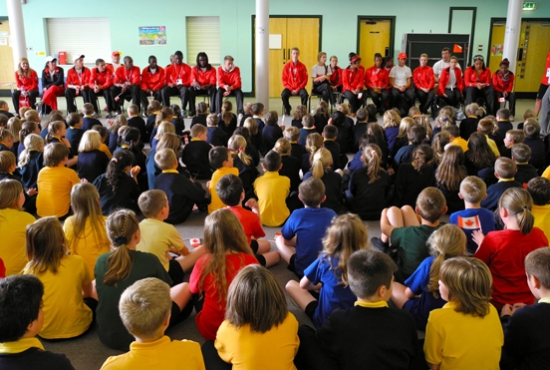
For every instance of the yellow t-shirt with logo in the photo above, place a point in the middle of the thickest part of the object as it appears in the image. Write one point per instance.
(13, 225)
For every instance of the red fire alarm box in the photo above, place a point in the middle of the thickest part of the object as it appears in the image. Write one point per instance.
(63, 57)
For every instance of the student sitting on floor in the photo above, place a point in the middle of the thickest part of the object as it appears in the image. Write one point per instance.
(195, 154)
(292, 134)
(521, 155)
(88, 120)
(227, 119)
(271, 132)
(505, 171)
(145, 308)
(415, 136)
(539, 188)
(74, 132)
(31, 160)
(291, 165)
(307, 128)
(449, 174)
(511, 138)
(320, 168)
(21, 320)
(216, 136)
(248, 171)
(330, 134)
(92, 162)
(533, 140)
(221, 159)
(413, 177)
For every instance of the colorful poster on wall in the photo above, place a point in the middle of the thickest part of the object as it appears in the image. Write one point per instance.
(152, 36)
(496, 49)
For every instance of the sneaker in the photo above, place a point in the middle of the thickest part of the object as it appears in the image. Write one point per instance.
(379, 245)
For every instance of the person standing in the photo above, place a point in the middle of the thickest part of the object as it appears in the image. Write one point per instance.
(294, 80)
(543, 86)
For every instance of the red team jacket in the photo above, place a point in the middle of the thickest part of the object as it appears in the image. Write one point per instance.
(123, 75)
(155, 81)
(352, 79)
(336, 77)
(295, 76)
(103, 79)
(175, 72)
(28, 83)
(444, 78)
(229, 78)
(502, 83)
(74, 79)
(423, 77)
(546, 76)
(471, 78)
(375, 77)
(207, 77)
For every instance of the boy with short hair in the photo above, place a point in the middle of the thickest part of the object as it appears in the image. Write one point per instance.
(22, 111)
(405, 231)
(258, 110)
(521, 154)
(5, 109)
(533, 141)
(231, 192)
(454, 134)
(134, 120)
(292, 134)
(330, 134)
(160, 238)
(181, 192)
(526, 340)
(89, 121)
(216, 136)
(21, 319)
(301, 237)
(272, 190)
(392, 340)
(308, 127)
(505, 170)
(145, 309)
(511, 138)
(539, 188)
(486, 127)
(473, 190)
(221, 159)
(416, 135)
(195, 154)
(504, 125)
(75, 132)
(360, 127)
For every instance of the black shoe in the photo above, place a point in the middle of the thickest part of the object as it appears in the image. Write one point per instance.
(379, 245)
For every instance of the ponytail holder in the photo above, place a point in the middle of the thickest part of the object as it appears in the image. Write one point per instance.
(241, 150)
(313, 148)
(524, 207)
(373, 153)
(114, 160)
(121, 240)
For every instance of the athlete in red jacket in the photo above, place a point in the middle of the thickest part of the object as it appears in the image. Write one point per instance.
(336, 77)
(101, 81)
(153, 81)
(53, 84)
(353, 81)
(27, 84)
(544, 83)
(178, 82)
(78, 78)
(477, 83)
(503, 84)
(424, 82)
(377, 83)
(295, 79)
(204, 80)
(229, 82)
(126, 84)
(451, 84)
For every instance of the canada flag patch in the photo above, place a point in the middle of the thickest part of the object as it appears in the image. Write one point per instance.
(469, 223)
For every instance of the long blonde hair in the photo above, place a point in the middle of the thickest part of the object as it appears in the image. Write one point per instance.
(322, 159)
(20, 71)
(424, 121)
(10, 191)
(519, 203)
(33, 143)
(314, 142)
(237, 144)
(165, 128)
(14, 125)
(252, 126)
(45, 242)
(391, 119)
(121, 227)
(372, 155)
(405, 126)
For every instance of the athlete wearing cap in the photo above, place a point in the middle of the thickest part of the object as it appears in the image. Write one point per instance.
(78, 78)
(115, 60)
(353, 81)
(402, 92)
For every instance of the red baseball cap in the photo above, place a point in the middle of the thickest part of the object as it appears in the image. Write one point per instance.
(402, 56)
(355, 59)
(115, 53)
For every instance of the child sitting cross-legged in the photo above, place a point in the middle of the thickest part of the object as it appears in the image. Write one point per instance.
(195, 154)
(505, 170)
(521, 155)
(300, 241)
(368, 333)
(539, 188)
(221, 159)
(328, 273)
(21, 320)
(145, 308)
(159, 237)
(466, 333)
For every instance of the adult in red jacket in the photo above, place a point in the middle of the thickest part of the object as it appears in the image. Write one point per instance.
(78, 78)
(203, 82)
(477, 84)
(336, 77)
(544, 83)
(503, 84)
(178, 82)
(101, 81)
(53, 85)
(353, 81)
(295, 79)
(451, 84)
(27, 84)
(377, 83)
(424, 82)
(126, 84)
(153, 81)
(229, 82)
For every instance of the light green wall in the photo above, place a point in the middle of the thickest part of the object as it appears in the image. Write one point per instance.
(339, 24)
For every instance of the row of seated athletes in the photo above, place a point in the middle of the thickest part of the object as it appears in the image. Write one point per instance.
(127, 82)
(391, 86)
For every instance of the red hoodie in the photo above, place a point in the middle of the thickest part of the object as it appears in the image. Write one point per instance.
(502, 83)
(295, 76)
(423, 77)
(151, 81)
(73, 78)
(123, 75)
(103, 79)
(336, 77)
(352, 79)
(175, 72)
(377, 77)
(28, 83)
(207, 77)
(229, 78)
(471, 78)
(444, 79)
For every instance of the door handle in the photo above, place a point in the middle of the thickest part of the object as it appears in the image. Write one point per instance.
(284, 56)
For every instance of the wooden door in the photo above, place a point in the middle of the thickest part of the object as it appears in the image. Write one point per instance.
(374, 37)
(277, 57)
(533, 45)
(497, 41)
(6, 56)
(303, 33)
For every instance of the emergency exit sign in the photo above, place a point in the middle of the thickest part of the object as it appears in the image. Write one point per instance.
(529, 6)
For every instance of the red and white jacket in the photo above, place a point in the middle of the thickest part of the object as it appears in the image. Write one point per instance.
(29, 82)
(546, 75)
(151, 81)
(502, 83)
(175, 72)
(377, 77)
(471, 78)
(423, 77)
(352, 80)
(444, 79)
(207, 77)
(295, 76)
(336, 77)
(123, 75)
(102, 79)
(76, 79)
(229, 78)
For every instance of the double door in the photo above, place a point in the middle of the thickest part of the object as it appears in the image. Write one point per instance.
(7, 69)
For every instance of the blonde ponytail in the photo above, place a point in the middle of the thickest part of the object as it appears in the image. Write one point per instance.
(321, 161)
(519, 203)
(372, 154)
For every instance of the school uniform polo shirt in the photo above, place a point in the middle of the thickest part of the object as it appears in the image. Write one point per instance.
(272, 191)
(29, 353)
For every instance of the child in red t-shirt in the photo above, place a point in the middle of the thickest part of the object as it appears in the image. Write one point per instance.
(227, 252)
(504, 251)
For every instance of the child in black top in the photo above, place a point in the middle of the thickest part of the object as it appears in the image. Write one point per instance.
(258, 110)
(360, 127)
(227, 119)
(216, 136)
(255, 134)
(244, 163)
(134, 120)
(271, 132)
(345, 135)
(31, 160)
(531, 129)
(321, 116)
(469, 125)
(291, 165)
(505, 170)
(415, 136)
(413, 177)
(308, 128)
(292, 134)
(200, 118)
(88, 121)
(320, 168)
(330, 133)
(521, 154)
(299, 112)
(177, 121)
(195, 154)
(152, 110)
(74, 132)
(250, 148)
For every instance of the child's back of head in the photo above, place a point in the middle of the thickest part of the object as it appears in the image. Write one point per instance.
(73, 119)
(503, 114)
(166, 159)
(217, 156)
(272, 161)
(505, 168)
(151, 202)
(521, 153)
(133, 110)
(198, 129)
(486, 126)
(7, 162)
(416, 135)
(271, 118)
(54, 154)
(312, 192)
(531, 128)
(212, 120)
(257, 109)
(230, 188)
(537, 264)
(473, 189)
(308, 121)
(539, 188)
(361, 115)
(292, 133)
(516, 135)
(330, 132)
(431, 204)
(368, 271)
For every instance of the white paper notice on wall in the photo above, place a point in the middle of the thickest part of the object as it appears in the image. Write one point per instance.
(275, 41)
(3, 41)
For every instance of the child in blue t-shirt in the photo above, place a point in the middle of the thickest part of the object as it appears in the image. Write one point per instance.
(473, 190)
(301, 237)
(420, 294)
(328, 272)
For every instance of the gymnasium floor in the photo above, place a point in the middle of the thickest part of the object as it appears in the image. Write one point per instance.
(87, 352)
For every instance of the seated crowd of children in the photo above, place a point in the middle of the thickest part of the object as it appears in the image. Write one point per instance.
(87, 215)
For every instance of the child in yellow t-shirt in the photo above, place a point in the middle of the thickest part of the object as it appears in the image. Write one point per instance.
(272, 190)
(85, 231)
(55, 182)
(145, 312)
(222, 160)
(66, 280)
(539, 188)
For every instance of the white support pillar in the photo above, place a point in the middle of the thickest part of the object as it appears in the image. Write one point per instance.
(513, 30)
(17, 30)
(262, 52)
